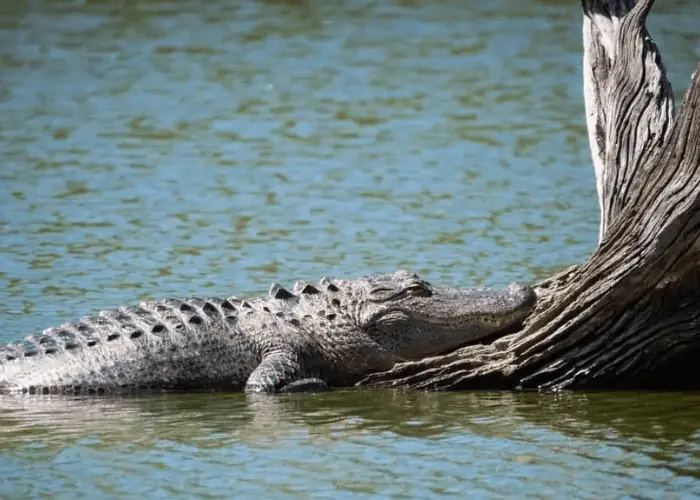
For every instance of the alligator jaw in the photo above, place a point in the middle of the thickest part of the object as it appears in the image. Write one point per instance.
(452, 318)
(455, 307)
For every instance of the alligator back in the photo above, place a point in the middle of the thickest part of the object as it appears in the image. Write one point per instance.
(161, 345)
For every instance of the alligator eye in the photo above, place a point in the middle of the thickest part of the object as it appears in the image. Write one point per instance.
(382, 294)
(419, 289)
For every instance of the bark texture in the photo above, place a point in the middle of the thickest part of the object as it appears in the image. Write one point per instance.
(628, 318)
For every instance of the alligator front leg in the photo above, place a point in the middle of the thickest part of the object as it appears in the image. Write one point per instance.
(280, 372)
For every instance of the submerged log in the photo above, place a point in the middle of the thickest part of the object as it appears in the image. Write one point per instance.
(628, 318)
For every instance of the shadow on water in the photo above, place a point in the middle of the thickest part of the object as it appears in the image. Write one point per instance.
(214, 420)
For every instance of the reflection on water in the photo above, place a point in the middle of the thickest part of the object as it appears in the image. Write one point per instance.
(182, 147)
(351, 441)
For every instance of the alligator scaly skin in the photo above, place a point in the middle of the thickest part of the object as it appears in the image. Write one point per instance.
(331, 333)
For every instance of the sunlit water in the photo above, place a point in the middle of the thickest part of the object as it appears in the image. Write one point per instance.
(153, 149)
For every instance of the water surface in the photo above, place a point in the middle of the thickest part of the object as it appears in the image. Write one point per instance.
(175, 148)
(353, 445)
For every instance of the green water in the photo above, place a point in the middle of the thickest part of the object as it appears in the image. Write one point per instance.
(354, 445)
(153, 149)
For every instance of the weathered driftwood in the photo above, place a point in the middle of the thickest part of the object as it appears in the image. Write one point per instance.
(630, 316)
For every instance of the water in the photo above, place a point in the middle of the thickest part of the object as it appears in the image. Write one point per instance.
(352, 445)
(177, 148)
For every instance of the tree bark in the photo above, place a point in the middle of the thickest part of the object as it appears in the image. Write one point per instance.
(628, 318)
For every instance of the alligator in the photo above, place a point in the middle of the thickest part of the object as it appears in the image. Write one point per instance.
(317, 336)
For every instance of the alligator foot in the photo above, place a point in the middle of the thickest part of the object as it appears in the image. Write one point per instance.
(305, 385)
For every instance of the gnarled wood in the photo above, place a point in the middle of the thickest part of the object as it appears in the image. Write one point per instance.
(630, 316)
(629, 101)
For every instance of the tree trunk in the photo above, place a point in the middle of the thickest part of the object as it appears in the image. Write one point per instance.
(629, 318)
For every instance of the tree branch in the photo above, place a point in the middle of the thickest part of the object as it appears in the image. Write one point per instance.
(628, 99)
(633, 309)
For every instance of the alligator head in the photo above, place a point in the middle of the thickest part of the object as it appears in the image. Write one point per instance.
(413, 319)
